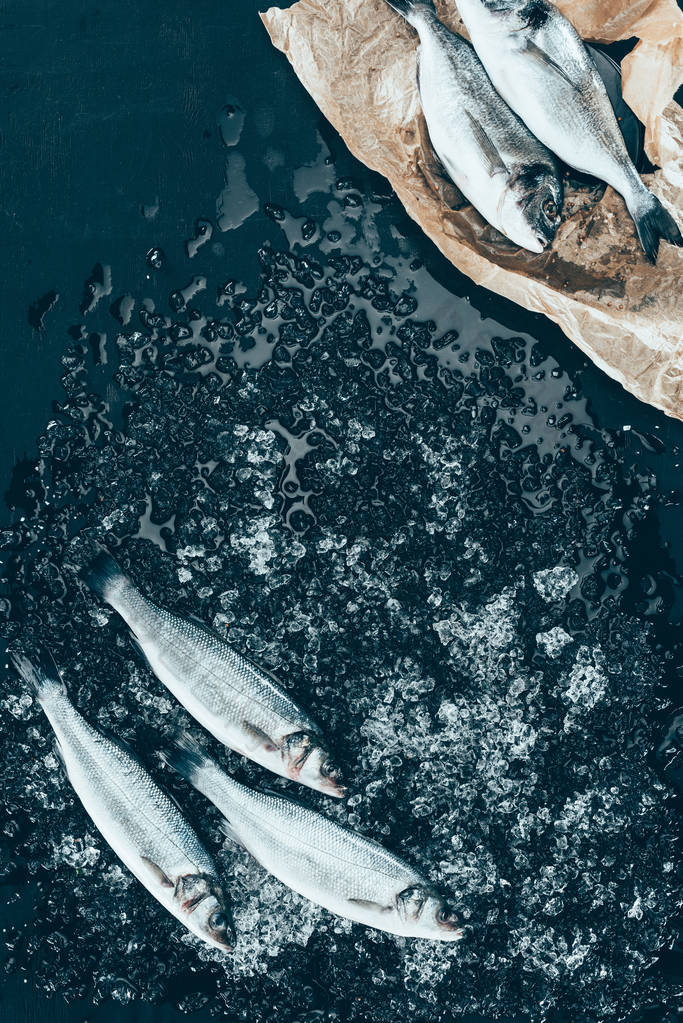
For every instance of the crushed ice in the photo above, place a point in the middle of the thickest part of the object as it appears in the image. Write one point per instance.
(555, 583)
(357, 511)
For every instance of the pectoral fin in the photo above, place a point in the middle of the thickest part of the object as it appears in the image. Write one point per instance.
(59, 753)
(136, 644)
(494, 160)
(154, 868)
(541, 57)
(260, 737)
(229, 832)
(374, 907)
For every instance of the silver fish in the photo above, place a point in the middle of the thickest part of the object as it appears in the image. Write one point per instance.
(139, 821)
(346, 873)
(238, 702)
(540, 66)
(495, 161)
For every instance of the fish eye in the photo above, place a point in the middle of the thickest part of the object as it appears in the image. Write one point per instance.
(444, 915)
(328, 768)
(550, 209)
(217, 921)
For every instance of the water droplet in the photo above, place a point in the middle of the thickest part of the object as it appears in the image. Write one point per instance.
(155, 259)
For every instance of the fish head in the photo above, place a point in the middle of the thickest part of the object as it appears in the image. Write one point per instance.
(531, 206)
(424, 913)
(205, 910)
(503, 15)
(320, 772)
(308, 761)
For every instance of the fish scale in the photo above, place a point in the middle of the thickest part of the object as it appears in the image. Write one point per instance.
(139, 814)
(236, 701)
(539, 65)
(347, 873)
(486, 150)
(136, 818)
(229, 684)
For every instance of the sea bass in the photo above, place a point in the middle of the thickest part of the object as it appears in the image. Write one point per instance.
(539, 65)
(139, 821)
(495, 161)
(238, 702)
(344, 872)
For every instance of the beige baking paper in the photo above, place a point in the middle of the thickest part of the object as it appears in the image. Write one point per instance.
(357, 60)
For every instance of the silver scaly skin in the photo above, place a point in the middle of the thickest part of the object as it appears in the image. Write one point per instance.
(134, 816)
(236, 701)
(541, 68)
(346, 873)
(495, 161)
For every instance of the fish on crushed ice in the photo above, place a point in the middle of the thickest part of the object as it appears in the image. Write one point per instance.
(236, 701)
(341, 870)
(136, 818)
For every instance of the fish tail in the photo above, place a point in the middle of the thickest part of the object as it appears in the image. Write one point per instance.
(41, 673)
(105, 576)
(653, 222)
(411, 9)
(191, 761)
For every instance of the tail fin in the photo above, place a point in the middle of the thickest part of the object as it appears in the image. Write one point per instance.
(191, 762)
(41, 673)
(653, 222)
(104, 575)
(410, 9)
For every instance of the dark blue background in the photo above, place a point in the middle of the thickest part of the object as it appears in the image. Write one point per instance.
(108, 109)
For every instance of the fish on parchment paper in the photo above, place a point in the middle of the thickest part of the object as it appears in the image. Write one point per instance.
(240, 704)
(341, 870)
(541, 68)
(492, 157)
(136, 818)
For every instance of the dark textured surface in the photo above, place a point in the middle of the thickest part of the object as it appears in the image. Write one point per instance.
(109, 112)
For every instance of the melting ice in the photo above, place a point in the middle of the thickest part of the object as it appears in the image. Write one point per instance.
(382, 514)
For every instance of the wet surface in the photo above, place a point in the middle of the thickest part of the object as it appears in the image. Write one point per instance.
(454, 541)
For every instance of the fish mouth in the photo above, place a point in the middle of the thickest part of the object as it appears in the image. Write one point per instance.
(228, 945)
(310, 764)
(453, 926)
(334, 787)
(537, 244)
(320, 783)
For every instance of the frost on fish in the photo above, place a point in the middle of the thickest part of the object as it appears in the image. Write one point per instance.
(375, 513)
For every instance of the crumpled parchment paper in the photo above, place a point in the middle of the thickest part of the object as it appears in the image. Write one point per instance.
(357, 60)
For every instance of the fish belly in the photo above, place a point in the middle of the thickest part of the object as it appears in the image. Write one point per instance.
(118, 803)
(325, 869)
(450, 133)
(572, 122)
